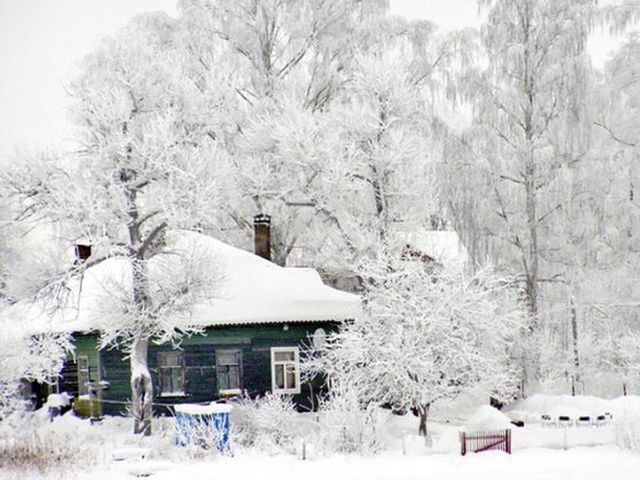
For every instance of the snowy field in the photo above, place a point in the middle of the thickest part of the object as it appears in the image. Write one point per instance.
(536, 463)
(108, 451)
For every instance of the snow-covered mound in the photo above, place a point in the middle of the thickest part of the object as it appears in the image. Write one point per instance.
(630, 403)
(532, 408)
(487, 418)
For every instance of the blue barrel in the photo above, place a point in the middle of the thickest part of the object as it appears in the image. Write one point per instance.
(203, 425)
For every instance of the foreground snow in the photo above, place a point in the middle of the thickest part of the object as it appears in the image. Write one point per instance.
(539, 453)
(535, 463)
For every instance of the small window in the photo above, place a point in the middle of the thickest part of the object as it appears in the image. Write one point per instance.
(285, 370)
(229, 369)
(171, 370)
(83, 375)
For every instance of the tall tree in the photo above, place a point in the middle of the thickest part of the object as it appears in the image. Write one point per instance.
(532, 87)
(280, 62)
(146, 167)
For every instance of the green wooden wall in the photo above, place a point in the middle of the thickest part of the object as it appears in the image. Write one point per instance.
(255, 342)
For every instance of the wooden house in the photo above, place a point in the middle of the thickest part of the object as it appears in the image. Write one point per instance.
(253, 329)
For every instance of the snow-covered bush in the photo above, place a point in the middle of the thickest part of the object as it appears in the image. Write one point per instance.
(430, 335)
(267, 423)
(202, 439)
(347, 425)
(627, 422)
(30, 441)
(37, 357)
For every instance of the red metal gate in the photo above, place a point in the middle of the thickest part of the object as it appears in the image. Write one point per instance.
(483, 441)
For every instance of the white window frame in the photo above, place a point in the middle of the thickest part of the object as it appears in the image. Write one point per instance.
(296, 366)
(84, 374)
(180, 371)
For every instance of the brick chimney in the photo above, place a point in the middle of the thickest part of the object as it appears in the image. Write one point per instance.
(262, 235)
(83, 252)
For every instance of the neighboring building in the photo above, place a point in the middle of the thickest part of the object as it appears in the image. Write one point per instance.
(254, 327)
(441, 246)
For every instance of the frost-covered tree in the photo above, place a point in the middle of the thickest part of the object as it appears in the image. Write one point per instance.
(533, 81)
(27, 355)
(145, 168)
(530, 126)
(430, 334)
(279, 62)
(385, 132)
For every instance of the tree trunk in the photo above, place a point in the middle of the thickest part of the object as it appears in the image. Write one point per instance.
(624, 388)
(576, 358)
(423, 412)
(141, 388)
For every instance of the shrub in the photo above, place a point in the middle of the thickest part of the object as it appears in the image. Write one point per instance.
(29, 441)
(627, 423)
(346, 425)
(267, 423)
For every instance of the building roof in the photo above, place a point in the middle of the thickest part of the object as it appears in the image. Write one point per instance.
(248, 290)
(444, 246)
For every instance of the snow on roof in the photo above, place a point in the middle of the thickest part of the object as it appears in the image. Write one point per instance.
(442, 245)
(250, 290)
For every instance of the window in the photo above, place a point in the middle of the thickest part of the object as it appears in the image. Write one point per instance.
(170, 367)
(83, 375)
(228, 369)
(285, 370)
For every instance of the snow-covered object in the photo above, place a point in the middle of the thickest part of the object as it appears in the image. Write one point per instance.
(58, 400)
(442, 245)
(627, 422)
(533, 407)
(211, 409)
(250, 290)
(487, 418)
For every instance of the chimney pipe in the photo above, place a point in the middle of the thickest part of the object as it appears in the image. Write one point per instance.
(83, 252)
(262, 235)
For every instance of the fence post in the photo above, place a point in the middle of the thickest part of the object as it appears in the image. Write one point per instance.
(509, 441)
(463, 442)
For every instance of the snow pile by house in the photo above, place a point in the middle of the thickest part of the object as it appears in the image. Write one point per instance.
(246, 289)
(487, 418)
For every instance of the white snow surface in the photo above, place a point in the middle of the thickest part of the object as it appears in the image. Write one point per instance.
(538, 454)
(444, 246)
(250, 290)
(58, 400)
(195, 409)
(532, 408)
(487, 418)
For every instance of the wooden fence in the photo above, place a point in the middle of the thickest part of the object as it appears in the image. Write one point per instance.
(483, 441)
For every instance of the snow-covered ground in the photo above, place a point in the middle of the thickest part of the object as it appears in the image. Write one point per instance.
(535, 464)
(539, 452)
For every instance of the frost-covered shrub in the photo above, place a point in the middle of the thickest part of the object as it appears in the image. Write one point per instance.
(30, 441)
(202, 439)
(627, 423)
(267, 423)
(27, 357)
(346, 425)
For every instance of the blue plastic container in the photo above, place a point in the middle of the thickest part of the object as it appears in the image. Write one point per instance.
(203, 425)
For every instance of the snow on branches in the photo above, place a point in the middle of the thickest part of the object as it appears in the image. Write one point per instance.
(430, 334)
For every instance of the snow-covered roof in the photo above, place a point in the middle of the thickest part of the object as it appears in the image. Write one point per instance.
(442, 245)
(249, 290)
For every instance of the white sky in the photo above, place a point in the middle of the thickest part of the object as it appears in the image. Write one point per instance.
(42, 40)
